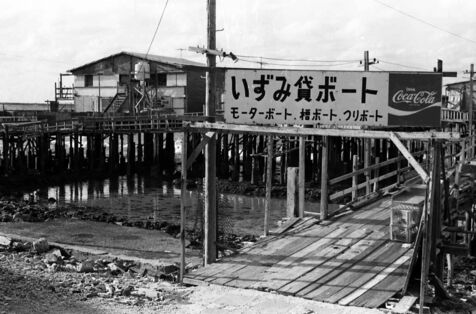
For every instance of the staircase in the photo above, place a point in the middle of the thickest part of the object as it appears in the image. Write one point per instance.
(116, 103)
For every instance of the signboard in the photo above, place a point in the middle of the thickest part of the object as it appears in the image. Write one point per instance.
(332, 98)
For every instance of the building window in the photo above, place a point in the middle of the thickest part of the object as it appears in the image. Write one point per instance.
(88, 80)
(161, 79)
(176, 79)
(124, 79)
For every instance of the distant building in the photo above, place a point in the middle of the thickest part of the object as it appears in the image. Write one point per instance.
(133, 82)
(457, 95)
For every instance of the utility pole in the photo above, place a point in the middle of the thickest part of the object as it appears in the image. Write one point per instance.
(366, 60)
(210, 212)
(470, 105)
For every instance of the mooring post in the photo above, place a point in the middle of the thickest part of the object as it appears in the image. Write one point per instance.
(324, 178)
(182, 205)
(269, 181)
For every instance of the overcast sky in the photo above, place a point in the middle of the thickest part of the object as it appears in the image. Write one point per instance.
(40, 39)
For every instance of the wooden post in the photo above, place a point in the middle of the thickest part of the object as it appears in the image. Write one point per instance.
(182, 206)
(236, 160)
(424, 258)
(376, 174)
(210, 212)
(433, 224)
(6, 149)
(292, 198)
(355, 167)
(367, 143)
(130, 153)
(269, 182)
(324, 177)
(253, 160)
(282, 171)
(76, 152)
(399, 166)
(140, 153)
(302, 175)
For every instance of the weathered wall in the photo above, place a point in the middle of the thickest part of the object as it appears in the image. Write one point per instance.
(187, 90)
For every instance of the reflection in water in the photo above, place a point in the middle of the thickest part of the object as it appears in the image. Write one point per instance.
(139, 198)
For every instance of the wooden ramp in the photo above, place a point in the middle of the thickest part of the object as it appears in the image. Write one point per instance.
(349, 261)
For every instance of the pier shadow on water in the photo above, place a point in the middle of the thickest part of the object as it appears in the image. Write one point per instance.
(146, 198)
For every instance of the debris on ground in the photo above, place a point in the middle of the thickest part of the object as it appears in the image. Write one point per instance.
(49, 269)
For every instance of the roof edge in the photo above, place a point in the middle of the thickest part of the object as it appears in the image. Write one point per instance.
(191, 64)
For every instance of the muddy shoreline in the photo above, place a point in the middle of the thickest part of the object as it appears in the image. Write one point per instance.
(20, 184)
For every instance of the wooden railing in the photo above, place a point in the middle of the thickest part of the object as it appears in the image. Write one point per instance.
(114, 123)
(457, 152)
(450, 115)
(375, 179)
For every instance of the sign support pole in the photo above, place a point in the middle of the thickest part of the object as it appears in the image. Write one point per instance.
(324, 178)
(302, 176)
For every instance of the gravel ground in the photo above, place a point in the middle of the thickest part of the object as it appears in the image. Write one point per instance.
(32, 283)
(55, 282)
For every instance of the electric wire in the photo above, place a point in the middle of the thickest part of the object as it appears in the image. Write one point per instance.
(157, 28)
(425, 22)
(297, 65)
(296, 60)
(403, 65)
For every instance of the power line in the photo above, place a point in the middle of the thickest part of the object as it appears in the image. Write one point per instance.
(295, 60)
(378, 68)
(403, 65)
(33, 58)
(157, 28)
(296, 65)
(425, 22)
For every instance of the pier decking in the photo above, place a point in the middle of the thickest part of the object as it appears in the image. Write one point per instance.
(349, 261)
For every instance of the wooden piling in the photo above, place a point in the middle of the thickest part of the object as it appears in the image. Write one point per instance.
(182, 206)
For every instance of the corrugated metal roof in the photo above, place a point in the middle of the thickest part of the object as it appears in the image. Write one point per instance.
(458, 85)
(178, 62)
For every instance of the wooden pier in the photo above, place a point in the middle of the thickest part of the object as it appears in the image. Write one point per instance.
(349, 261)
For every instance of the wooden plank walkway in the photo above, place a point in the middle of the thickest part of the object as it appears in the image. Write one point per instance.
(350, 261)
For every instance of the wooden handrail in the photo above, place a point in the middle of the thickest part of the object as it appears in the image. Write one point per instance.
(372, 167)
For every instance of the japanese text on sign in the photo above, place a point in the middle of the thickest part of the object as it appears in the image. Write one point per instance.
(305, 97)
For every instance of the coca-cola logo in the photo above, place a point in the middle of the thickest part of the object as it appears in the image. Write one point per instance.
(412, 97)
